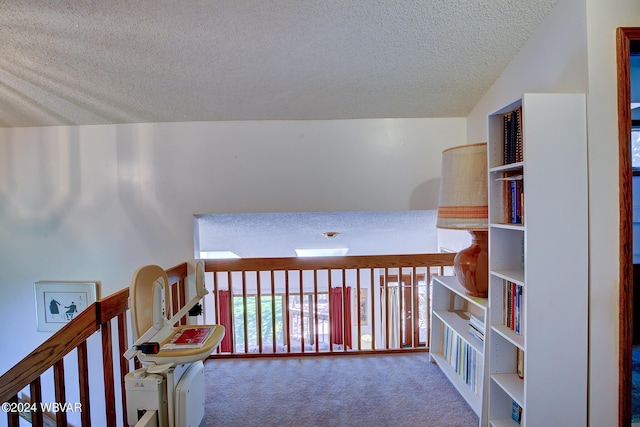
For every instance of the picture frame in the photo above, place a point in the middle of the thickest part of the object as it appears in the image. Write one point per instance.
(57, 303)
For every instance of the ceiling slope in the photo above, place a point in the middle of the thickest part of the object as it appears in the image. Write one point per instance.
(99, 62)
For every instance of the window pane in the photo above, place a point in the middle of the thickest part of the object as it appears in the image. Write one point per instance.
(238, 321)
(267, 320)
(252, 322)
(635, 148)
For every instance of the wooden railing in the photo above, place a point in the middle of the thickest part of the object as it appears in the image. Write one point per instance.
(74, 335)
(329, 305)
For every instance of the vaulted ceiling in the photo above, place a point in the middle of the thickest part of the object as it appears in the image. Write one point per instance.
(98, 62)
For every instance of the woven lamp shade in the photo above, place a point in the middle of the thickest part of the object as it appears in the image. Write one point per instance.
(463, 188)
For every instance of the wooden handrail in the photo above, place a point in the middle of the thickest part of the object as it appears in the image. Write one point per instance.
(46, 355)
(324, 263)
(73, 335)
(304, 323)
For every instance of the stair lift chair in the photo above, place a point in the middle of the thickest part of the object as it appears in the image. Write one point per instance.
(169, 388)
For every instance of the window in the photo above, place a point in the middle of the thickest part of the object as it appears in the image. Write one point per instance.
(635, 147)
(302, 321)
(267, 314)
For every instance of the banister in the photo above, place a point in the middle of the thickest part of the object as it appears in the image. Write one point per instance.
(71, 336)
(112, 306)
(177, 272)
(42, 358)
(302, 321)
(324, 263)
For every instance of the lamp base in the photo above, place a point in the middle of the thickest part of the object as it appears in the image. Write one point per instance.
(471, 265)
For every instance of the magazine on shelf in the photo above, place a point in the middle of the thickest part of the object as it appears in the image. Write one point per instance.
(187, 338)
(477, 321)
(479, 335)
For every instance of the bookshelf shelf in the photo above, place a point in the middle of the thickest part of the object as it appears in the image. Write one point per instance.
(451, 336)
(513, 386)
(508, 226)
(507, 168)
(516, 276)
(509, 335)
(503, 423)
(537, 184)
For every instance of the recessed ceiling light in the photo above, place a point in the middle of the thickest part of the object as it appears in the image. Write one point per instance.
(321, 252)
(218, 255)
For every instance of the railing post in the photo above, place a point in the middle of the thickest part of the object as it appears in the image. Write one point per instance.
(259, 312)
(274, 334)
(36, 399)
(83, 383)
(13, 418)
(123, 345)
(107, 361)
(58, 379)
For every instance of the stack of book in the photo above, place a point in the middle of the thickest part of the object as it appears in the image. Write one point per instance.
(513, 307)
(476, 327)
(464, 360)
(513, 198)
(512, 137)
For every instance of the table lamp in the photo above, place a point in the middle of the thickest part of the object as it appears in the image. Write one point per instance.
(463, 206)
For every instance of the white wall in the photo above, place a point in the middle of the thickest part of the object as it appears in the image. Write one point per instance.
(559, 59)
(603, 18)
(94, 203)
(553, 60)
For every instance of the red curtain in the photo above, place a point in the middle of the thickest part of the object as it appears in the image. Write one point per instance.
(225, 320)
(336, 315)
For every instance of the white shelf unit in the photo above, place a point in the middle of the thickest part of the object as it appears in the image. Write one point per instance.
(546, 255)
(449, 303)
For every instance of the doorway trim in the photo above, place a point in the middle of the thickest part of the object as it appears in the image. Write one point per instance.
(624, 36)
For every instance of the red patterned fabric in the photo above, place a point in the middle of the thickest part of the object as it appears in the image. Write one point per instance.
(225, 320)
(337, 318)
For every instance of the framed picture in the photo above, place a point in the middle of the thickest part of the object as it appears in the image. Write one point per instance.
(57, 303)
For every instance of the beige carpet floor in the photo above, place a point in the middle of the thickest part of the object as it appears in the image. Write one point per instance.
(370, 390)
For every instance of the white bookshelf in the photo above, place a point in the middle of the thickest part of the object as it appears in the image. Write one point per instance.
(546, 255)
(450, 307)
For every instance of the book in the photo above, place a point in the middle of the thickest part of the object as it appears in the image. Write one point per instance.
(506, 301)
(513, 306)
(520, 363)
(516, 412)
(514, 202)
(188, 338)
(519, 151)
(518, 310)
(505, 138)
(512, 313)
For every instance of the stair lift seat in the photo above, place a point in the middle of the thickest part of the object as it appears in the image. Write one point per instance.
(149, 289)
(170, 384)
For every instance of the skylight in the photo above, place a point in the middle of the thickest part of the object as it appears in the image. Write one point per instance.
(321, 252)
(218, 255)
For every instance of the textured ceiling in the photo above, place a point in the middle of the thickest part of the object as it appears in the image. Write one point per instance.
(94, 62)
(279, 234)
